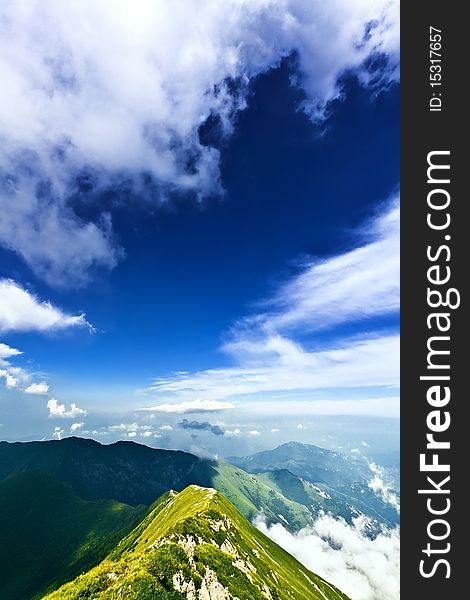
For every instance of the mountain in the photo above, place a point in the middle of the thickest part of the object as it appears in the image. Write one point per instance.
(196, 545)
(136, 474)
(315, 464)
(321, 480)
(49, 535)
(125, 471)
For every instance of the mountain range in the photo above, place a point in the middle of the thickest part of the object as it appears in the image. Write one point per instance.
(65, 504)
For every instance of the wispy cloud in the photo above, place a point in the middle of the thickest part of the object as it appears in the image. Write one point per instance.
(363, 568)
(286, 366)
(76, 116)
(21, 310)
(380, 486)
(359, 284)
(58, 433)
(330, 293)
(59, 411)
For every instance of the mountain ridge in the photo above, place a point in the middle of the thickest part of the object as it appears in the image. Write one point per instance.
(196, 545)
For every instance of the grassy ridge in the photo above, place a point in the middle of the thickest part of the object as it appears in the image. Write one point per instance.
(193, 540)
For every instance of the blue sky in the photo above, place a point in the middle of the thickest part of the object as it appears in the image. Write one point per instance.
(227, 256)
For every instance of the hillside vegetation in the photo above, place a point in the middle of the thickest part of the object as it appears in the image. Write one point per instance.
(196, 545)
(49, 535)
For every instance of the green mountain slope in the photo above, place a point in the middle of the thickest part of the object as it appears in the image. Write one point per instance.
(48, 534)
(320, 479)
(197, 545)
(124, 471)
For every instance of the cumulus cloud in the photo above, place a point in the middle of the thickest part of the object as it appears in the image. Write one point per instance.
(381, 488)
(166, 428)
(191, 406)
(97, 98)
(232, 432)
(22, 311)
(11, 382)
(59, 411)
(254, 432)
(76, 426)
(37, 388)
(201, 426)
(363, 568)
(14, 377)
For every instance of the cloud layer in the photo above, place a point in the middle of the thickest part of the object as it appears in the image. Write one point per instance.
(96, 98)
(363, 568)
(192, 406)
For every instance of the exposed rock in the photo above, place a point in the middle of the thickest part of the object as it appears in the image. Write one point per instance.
(229, 548)
(184, 587)
(212, 589)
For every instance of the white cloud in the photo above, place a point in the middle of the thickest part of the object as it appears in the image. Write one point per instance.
(132, 434)
(125, 427)
(58, 433)
(360, 283)
(300, 426)
(76, 426)
(57, 410)
(232, 432)
(14, 377)
(274, 430)
(37, 388)
(147, 433)
(364, 282)
(284, 365)
(22, 311)
(192, 406)
(363, 568)
(381, 488)
(10, 381)
(166, 428)
(254, 432)
(7, 352)
(116, 95)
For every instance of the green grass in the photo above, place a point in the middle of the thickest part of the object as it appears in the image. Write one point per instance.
(190, 535)
(49, 535)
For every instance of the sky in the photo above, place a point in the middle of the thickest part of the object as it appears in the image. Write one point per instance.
(199, 234)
